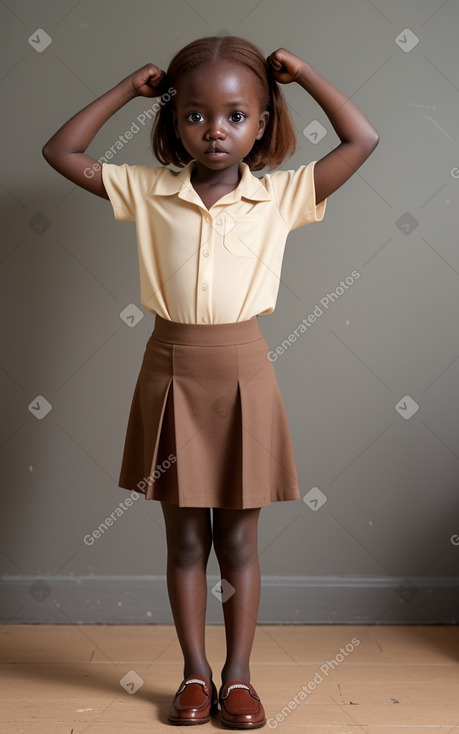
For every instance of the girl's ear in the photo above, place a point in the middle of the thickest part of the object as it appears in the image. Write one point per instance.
(262, 122)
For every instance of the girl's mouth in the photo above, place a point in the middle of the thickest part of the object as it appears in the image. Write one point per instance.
(216, 154)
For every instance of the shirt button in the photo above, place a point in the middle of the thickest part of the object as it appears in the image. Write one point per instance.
(205, 252)
(204, 287)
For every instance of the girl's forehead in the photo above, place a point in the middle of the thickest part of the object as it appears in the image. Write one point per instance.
(220, 79)
(223, 73)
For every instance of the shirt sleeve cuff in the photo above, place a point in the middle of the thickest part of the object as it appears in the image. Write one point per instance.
(109, 178)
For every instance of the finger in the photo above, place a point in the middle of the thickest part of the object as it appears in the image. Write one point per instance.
(154, 74)
(153, 71)
(276, 64)
(279, 53)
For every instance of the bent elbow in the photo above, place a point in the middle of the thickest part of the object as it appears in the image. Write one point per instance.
(46, 152)
(52, 157)
(373, 141)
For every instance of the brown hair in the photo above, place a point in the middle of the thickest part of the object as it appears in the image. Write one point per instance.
(278, 141)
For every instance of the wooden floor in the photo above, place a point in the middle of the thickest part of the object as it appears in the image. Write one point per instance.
(121, 680)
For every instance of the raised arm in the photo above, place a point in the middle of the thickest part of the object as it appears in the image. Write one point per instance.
(65, 150)
(358, 136)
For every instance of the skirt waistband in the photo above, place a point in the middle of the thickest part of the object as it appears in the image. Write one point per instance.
(175, 332)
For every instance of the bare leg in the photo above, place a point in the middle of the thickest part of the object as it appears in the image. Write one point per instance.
(235, 536)
(189, 540)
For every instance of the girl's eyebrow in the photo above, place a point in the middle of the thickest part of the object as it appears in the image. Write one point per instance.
(236, 103)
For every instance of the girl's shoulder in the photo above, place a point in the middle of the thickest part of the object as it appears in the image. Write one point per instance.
(137, 177)
(288, 182)
(137, 170)
(288, 173)
(293, 191)
(128, 186)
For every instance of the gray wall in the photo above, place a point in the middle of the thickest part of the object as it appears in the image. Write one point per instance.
(384, 546)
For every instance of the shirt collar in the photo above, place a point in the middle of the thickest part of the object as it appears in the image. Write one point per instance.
(249, 187)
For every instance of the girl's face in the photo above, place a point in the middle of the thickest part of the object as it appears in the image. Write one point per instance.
(218, 113)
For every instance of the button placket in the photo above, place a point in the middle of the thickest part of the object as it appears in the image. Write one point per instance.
(205, 267)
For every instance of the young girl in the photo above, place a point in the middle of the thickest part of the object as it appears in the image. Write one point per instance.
(207, 426)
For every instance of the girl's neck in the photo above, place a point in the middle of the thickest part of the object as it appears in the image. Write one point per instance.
(201, 175)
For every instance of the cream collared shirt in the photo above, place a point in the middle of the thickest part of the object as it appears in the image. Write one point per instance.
(217, 265)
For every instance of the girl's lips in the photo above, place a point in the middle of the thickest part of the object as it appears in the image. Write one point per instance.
(216, 153)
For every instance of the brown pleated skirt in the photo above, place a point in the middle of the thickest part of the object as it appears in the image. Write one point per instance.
(207, 425)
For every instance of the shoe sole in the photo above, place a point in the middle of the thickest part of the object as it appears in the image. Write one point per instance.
(189, 722)
(194, 722)
(243, 725)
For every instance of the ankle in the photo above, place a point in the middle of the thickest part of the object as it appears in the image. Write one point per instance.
(197, 669)
(235, 673)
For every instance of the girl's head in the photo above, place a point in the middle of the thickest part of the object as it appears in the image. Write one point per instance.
(257, 127)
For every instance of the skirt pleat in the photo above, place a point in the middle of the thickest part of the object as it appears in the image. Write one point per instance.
(207, 425)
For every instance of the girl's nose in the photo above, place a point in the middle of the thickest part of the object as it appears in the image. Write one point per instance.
(216, 130)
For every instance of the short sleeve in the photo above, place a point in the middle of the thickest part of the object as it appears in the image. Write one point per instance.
(127, 187)
(295, 194)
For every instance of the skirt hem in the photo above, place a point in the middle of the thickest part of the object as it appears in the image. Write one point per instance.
(286, 494)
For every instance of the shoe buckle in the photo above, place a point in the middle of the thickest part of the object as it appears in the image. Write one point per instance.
(187, 683)
(239, 685)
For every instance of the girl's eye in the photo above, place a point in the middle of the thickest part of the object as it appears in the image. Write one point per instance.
(194, 117)
(197, 117)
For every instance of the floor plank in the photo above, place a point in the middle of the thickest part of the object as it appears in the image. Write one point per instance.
(331, 679)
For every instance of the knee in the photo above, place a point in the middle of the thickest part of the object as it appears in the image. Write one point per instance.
(235, 550)
(188, 550)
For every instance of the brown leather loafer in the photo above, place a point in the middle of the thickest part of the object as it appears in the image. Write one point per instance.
(194, 701)
(240, 705)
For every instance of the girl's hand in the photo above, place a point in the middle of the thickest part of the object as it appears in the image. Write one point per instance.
(286, 67)
(146, 82)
